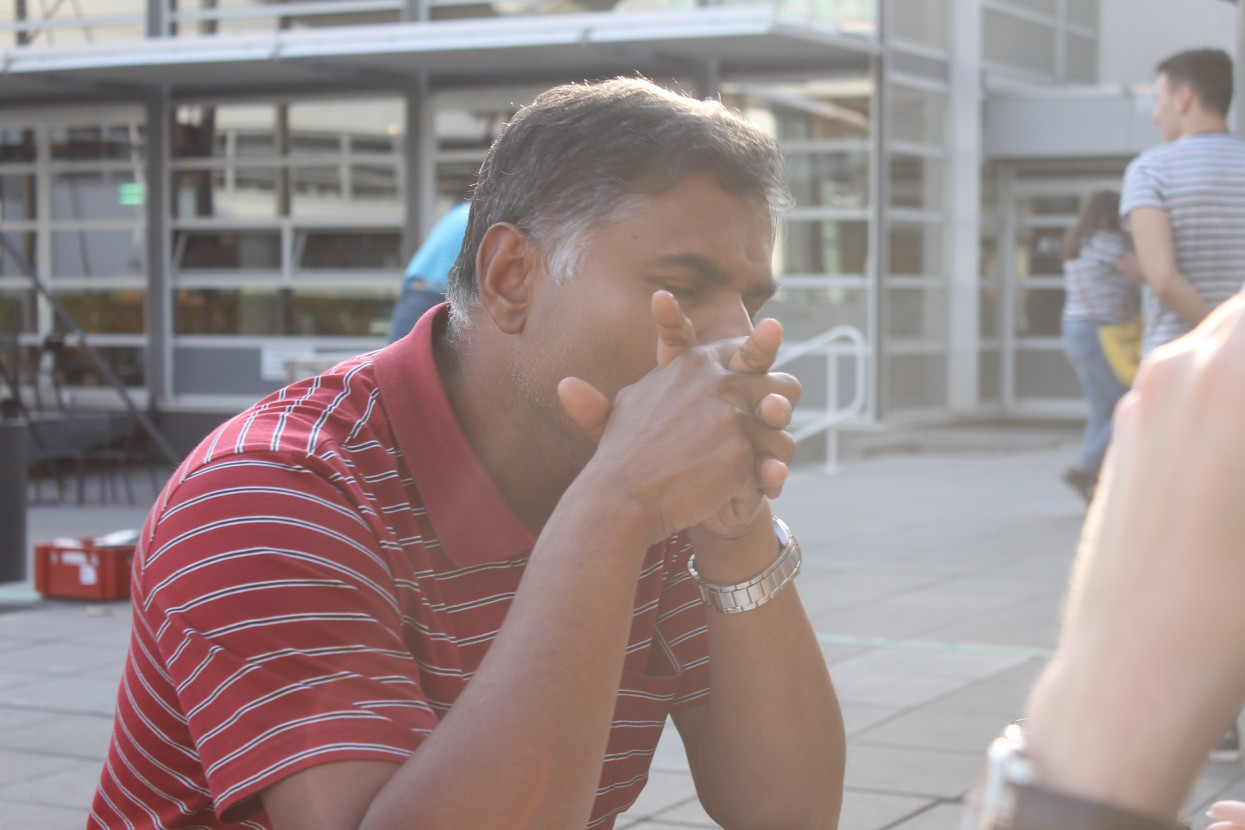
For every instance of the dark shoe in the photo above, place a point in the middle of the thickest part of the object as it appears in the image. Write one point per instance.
(1080, 481)
(1229, 748)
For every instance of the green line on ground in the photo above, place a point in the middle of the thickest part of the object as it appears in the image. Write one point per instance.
(933, 645)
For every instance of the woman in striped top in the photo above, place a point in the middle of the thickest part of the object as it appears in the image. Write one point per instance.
(1101, 277)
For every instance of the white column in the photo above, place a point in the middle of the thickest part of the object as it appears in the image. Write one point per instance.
(964, 207)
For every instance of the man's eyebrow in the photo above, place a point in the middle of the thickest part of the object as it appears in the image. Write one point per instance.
(709, 270)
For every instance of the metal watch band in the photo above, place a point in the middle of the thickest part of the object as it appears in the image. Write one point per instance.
(755, 592)
(1012, 798)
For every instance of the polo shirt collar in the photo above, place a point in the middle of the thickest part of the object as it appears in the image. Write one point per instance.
(472, 519)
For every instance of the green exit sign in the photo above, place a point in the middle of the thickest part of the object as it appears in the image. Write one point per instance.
(132, 194)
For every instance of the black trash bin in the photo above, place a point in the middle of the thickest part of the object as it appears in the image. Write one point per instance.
(13, 438)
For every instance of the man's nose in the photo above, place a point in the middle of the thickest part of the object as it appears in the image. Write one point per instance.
(724, 321)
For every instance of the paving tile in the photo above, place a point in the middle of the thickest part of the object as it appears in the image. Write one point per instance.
(57, 658)
(870, 811)
(41, 816)
(1003, 694)
(858, 717)
(663, 791)
(914, 772)
(73, 786)
(11, 719)
(689, 814)
(84, 694)
(928, 663)
(670, 756)
(77, 736)
(925, 729)
(938, 817)
(889, 690)
(20, 766)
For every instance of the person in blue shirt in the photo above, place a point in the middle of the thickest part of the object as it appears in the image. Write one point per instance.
(424, 284)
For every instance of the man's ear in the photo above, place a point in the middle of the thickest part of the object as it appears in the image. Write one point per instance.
(507, 263)
(1186, 97)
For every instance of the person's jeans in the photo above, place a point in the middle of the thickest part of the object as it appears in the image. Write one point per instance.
(410, 306)
(1102, 388)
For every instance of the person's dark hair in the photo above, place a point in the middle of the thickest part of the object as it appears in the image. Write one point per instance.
(1207, 71)
(577, 155)
(1101, 213)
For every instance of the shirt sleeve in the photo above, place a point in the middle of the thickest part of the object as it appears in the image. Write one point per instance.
(1142, 187)
(276, 618)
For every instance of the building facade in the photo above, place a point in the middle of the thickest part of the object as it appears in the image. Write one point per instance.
(222, 191)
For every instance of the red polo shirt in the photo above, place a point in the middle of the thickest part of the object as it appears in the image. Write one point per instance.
(319, 581)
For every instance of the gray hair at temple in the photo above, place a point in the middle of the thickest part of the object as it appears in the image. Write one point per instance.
(580, 154)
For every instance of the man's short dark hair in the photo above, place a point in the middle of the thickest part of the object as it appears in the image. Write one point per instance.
(1207, 71)
(576, 156)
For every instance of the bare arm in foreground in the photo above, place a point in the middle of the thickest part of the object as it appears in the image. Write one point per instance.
(1155, 626)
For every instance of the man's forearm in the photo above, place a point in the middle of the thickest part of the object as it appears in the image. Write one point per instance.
(1178, 294)
(770, 749)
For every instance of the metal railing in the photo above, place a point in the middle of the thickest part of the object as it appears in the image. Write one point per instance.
(811, 421)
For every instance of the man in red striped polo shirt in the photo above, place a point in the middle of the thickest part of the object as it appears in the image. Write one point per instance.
(452, 583)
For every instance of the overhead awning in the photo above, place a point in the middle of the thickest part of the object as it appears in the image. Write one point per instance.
(736, 41)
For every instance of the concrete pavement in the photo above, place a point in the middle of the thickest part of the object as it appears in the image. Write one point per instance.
(933, 580)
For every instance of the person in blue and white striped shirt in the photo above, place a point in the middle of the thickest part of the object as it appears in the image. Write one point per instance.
(1185, 199)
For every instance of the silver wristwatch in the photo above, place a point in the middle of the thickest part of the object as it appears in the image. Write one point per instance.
(755, 592)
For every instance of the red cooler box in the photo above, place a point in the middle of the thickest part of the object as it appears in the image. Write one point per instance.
(92, 567)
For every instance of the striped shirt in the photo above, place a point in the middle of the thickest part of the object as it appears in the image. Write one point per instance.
(1093, 289)
(320, 580)
(1199, 180)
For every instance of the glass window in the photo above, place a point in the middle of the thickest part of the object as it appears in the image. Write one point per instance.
(926, 21)
(225, 131)
(106, 194)
(1045, 374)
(376, 183)
(317, 191)
(823, 179)
(245, 193)
(17, 198)
(1039, 252)
(25, 243)
(350, 248)
(128, 362)
(99, 253)
(1081, 59)
(17, 145)
(918, 116)
(1039, 312)
(250, 250)
(1020, 43)
(807, 312)
(824, 247)
(917, 314)
(990, 375)
(359, 312)
(1048, 205)
(358, 126)
(100, 143)
(916, 381)
(19, 310)
(92, 22)
(918, 182)
(303, 17)
(1039, 6)
(107, 312)
(823, 109)
(1084, 12)
(988, 312)
(917, 249)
